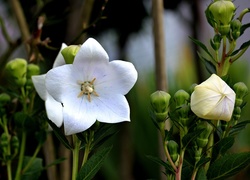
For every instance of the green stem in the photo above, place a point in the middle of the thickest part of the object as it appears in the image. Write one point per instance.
(242, 14)
(182, 152)
(209, 149)
(234, 58)
(87, 149)
(21, 156)
(32, 158)
(76, 149)
(168, 155)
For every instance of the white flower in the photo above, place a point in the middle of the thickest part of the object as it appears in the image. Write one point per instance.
(92, 88)
(213, 99)
(53, 107)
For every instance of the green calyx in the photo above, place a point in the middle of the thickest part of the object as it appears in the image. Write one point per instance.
(69, 53)
(235, 28)
(241, 91)
(202, 139)
(181, 97)
(173, 148)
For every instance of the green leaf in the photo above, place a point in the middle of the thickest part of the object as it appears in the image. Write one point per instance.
(201, 174)
(208, 64)
(244, 45)
(228, 165)
(57, 161)
(189, 137)
(157, 160)
(200, 44)
(238, 127)
(203, 161)
(92, 166)
(221, 147)
(60, 135)
(243, 28)
(34, 171)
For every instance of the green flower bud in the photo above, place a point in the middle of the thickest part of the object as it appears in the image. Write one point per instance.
(4, 140)
(160, 102)
(4, 99)
(183, 114)
(202, 139)
(216, 42)
(15, 142)
(191, 88)
(220, 14)
(173, 150)
(241, 91)
(69, 53)
(235, 28)
(181, 97)
(32, 70)
(237, 113)
(15, 71)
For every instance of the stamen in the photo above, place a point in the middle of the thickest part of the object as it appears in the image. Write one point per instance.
(87, 88)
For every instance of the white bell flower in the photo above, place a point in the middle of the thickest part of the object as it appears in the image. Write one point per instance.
(213, 99)
(53, 107)
(92, 88)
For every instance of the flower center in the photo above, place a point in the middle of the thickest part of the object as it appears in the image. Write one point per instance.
(87, 88)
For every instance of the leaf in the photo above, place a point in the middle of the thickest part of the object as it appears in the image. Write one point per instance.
(203, 161)
(238, 127)
(60, 135)
(244, 45)
(34, 171)
(157, 160)
(208, 64)
(201, 174)
(221, 147)
(57, 161)
(228, 165)
(92, 166)
(189, 137)
(244, 27)
(200, 44)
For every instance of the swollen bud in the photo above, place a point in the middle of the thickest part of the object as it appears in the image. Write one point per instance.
(173, 150)
(160, 102)
(69, 53)
(15, 71)
(241, 90)
(235, 28)
(181, 97)
(4, 99)
(216, 42)
(202, 139)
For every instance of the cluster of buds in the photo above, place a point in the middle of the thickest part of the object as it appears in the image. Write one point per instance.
(9, 146)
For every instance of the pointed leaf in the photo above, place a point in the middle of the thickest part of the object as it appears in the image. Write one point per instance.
(203, 161)
(60, 135)
(223, 145)
(157, 160)
(34, 171)
(208, 64)
(244, 45)
(200, 44)
(228, 165)
(92, 166)
(238, 127)
(244, 27)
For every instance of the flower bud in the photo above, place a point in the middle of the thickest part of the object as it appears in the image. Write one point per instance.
(202, 139)
(183, 114)
(181, 97)
(69, 53)
(220, 14)
(15, 143)
(241, 91)
(213, 99)
(160, 102)
(237, 113)
(173, 150)
(216, 42)
(4, 99)
(4, 140)
(15, 71)
(32, 70)
(235, 28)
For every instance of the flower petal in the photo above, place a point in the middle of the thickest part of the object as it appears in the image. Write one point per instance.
(54, 111)
(119, 77)
(59, 61)
(39, 84)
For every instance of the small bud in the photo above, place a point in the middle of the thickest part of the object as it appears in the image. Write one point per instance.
(15, 71)
(184, 114)
(32, 70)
(181, 97)
(4, 140)
(235, 28)
(237, 113)
(220, 14)
(241, 91)
(160, 102)
(202, 139)
(216, 42)
(15, 143)
(4, 98)
(173, 150)
(69, 53)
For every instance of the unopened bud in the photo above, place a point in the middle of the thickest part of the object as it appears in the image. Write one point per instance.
(235, 27)
(216, 42)
(4, 98)
(237, 113)
(4, 140)
(202, 139)
(241, 91)
(15, 71)
(181, 97)
(160, 102)
(15, 142)
(173, 150)
(69, 53)
(32, 70)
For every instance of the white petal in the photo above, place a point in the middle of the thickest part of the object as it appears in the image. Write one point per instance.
(54, 111)
(61, 82)
(59, 61)
(90, 58)
(119, 78)
(39, 84)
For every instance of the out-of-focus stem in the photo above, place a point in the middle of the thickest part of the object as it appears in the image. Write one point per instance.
(22, 23)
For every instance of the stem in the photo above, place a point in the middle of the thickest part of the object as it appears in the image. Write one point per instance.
(168, 156)
(76, 149)
(87, 148)
(182, 152)
(21, 156)
(209, 149)
(32, 158)
(242, 14)
(239, 54)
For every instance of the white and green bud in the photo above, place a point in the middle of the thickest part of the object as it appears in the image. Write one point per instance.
(202, 139)
(220, 14)
(173, 149)
(241, 91)
(181, 97)
(69, 53)
(160, 101)
(15, 72)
